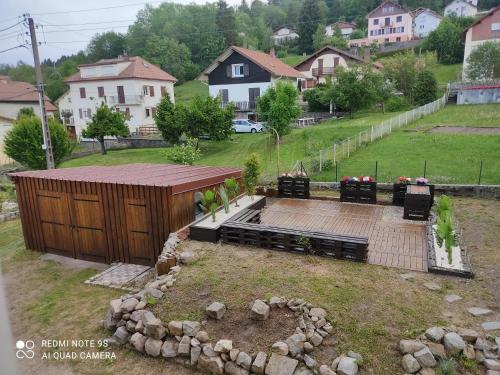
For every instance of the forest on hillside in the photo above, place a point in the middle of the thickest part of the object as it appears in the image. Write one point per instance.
(184, 39)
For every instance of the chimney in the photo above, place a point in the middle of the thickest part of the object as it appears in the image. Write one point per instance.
(272, 52)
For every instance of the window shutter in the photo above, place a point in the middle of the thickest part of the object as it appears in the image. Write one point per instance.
(151, 90)
(229, 73)
(163, 90)
(89, 113)
(80, 112)
(246, 70)
(82, 92)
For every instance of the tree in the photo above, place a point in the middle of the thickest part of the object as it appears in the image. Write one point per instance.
(357, 34)
(226, 22)
(170, 120)
(106, 122)
(205, 117)
(244, 7)
(186, 153)
(107, 45)
(278, 106)
(251, 173)
(23, 142)
(26, 111)
(484, 61)
(447, 40)
(319, 37)
(310, 18)
(425, 87)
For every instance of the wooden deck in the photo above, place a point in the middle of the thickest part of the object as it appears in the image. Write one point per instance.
(393, 241)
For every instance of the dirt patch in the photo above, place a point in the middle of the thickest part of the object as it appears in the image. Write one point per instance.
(249, 335)
(465, 130)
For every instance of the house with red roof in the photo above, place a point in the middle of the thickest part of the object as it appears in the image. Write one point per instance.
(129, 84)
(240, 76)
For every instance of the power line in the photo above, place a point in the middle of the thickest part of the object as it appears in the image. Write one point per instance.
(10, 27)
(87, 29)
(96, 9)
(9, 49)
(91, 23)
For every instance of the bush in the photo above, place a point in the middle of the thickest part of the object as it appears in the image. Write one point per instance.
(251, 173)
(313, 97)
(327, 165)
(186, 153)
(425, 87)
(396, 104)
(23, 142)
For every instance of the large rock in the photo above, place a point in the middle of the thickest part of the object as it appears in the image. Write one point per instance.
(209, 351)
(468, 335)
(137, 340)
(223, 346)
(115, 308)
(347, 366)
(244, 360)
(121, 335)
(277, 302)
(202, 337)
(260, 310)
(316, 339)
(153, 347)
(432, 286)
(169, 349)
(410, 364)
(110, 323)
(213, 365)
(128, 305)
(425, 358)
(190, 328)
(216, 310)
(492, 364)
(280, 347)
(175, 328)
(490, 326)
(280, 365)
(303, 370)
(437, 350)
(184, 348)
(187, 257)
(479, 311)
(325, 370)
(356, 356)
(155, 329)
(435, 334)
(451, 298)
(259, 363)
(195, 355)
(232, 368)
(310, 361)
(469, 352)
(295, 344)
(317, 312)
(453, 343)
(410, 346)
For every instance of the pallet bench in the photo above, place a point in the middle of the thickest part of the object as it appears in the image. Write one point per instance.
(294, 240)
(247, 216)
(293, 187)
(358, 192)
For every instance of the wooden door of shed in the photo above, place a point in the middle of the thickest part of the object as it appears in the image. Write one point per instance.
(139, 232)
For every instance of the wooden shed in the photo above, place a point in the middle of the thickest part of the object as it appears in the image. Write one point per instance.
(110, 213)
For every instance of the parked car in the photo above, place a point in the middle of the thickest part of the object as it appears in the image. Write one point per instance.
(247, 126)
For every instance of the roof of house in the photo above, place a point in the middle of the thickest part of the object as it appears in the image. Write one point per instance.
(276, 29)
(395, 3)
(478, 21)
(461, 1)
(340, 52)
(416, 12)
(343, 25)
(138, 68)
(180, 177)
(267, 62)
(24, 92)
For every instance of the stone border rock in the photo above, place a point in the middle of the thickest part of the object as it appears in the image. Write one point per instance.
(187, 344)
(439, 343)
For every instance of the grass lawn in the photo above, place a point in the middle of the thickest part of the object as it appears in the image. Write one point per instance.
(451, 158)
(292, 59)
(301, 144)
(188, 90)
(371, 307)
(448, 73)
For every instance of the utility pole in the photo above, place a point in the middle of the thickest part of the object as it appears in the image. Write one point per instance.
(47, 143)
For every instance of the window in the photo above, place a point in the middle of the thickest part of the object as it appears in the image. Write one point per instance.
(80, 112)
(153, 111)
(387, 40)
(371, 32)
(375, 21)
(145, 90)
(387, 9)
(148, 112)
(88, 113)
(100, 92)
(163, 90)
(495, 26)
(398, 39)
(387, 21)
(151, 90)
(83, 94)
(237, 70)
(399, 19)
(127, 111)
(402, 29)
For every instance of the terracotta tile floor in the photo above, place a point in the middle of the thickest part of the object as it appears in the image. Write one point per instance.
(393, 241)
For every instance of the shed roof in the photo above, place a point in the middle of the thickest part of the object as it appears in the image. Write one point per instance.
(180, 178)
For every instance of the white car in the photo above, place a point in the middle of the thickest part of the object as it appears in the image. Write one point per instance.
(246, 126)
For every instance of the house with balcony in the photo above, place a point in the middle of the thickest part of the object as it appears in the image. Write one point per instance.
(388, 23)
(346, 28)
(240, 76)
(128, 84)
(324, 63)
(425, 21)
(461, 8)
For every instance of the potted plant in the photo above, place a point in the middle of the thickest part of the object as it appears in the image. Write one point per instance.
(233, 189)
(399, 190)
(362, 189)
(294, 184)
(251, 173)
(209, 203)
(224, 198)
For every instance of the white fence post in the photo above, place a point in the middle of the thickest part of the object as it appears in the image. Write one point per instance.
(334, 153)
(348, 142)
(320, 160)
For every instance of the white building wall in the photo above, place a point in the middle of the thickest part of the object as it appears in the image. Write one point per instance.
(461, 8)
(238, 92)
(424, 24)
(135, 100)
(10, 110)
(345, 31)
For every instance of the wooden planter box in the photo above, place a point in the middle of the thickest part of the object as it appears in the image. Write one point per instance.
(293, 187)
(399, 192)
(417, 202)
(358, 192)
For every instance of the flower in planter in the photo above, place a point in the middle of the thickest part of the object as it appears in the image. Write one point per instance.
(287, 174)
(365, 179)
(422, 181)
(404, 180)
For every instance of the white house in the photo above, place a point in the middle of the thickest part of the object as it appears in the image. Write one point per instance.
(128, 84)
(241, 75)
(461, 8)
(346, 28)
(283, 35)
(425, 21)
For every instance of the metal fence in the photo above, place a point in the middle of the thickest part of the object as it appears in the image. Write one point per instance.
(343, 150)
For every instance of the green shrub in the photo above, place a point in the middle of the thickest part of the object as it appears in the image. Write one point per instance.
(326, 165)
(233, 189)
(185, 154)
(396, 104)
(224, 198)
(23, 142)
(209, 203)
(445, 233)
(251, 173)
(446, 367)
